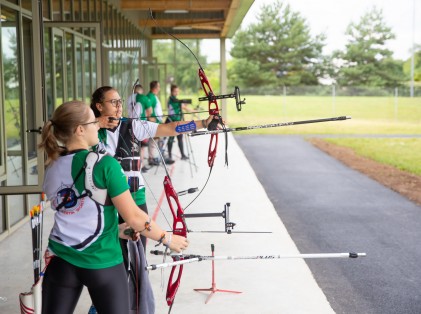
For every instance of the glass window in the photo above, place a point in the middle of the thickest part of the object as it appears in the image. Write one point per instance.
(2, 215)
(70, 67)
(79, 69)
(12, 97)
(16, 206)
(12, 107)
(48, 72)
(87, 69)
(94, 76)
(31, 171)
(58, 65)
(2, 143)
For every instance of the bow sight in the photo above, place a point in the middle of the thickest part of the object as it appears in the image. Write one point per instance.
(236, 95)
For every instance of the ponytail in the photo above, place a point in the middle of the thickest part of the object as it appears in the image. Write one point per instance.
(61, 128)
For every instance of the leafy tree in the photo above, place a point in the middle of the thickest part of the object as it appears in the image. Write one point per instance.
(366, 60)
(278, 50)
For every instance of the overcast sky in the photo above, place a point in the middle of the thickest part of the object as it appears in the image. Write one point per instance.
(333, 16)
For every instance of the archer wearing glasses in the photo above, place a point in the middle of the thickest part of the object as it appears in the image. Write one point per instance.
(115, 102)
(83, 243)
(93, 122)
(121, 139)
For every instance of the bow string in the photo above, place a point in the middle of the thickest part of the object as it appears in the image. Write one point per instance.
(179, 226)
(213, 110)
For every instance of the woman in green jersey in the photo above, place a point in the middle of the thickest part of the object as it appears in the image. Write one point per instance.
(84, 240)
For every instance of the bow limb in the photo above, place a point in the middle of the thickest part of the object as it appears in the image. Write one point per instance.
(179, 228)
(213, 110)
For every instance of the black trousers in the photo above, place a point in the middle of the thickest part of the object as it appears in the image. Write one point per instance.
(63, 283)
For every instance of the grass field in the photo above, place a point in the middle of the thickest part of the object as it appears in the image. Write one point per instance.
(402, 153)
(370, 116)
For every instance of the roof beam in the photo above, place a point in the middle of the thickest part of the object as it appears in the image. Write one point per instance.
(173, 23)
(187, 36)
(154, 5)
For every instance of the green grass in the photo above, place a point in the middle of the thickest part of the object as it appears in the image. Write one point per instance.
(370, 115)
(402, 153)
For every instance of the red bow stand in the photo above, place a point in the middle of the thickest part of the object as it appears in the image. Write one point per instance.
(213, 289)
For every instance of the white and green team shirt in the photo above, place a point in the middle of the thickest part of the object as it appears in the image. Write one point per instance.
(108, 140)
(85, 233)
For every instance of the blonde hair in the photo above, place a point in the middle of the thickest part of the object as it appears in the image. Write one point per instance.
(61, 128)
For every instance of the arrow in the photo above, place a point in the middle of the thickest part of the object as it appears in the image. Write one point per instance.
(271, 125)
(187, 259)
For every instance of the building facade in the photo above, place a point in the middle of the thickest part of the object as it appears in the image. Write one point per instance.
(52, 51)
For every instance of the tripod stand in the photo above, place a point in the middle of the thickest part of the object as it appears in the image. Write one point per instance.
(213, 289)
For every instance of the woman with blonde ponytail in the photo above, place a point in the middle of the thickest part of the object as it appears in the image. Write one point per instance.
(61, 127)
(84, 240)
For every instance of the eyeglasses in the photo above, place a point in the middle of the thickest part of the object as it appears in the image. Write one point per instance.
(93, 122)
(115, 102)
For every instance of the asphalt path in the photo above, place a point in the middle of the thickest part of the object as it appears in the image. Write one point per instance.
(328, 207)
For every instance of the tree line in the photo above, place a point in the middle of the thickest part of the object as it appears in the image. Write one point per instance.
(279, 51)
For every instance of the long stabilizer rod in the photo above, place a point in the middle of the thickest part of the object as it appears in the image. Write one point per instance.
(271, 125)
(187, 259)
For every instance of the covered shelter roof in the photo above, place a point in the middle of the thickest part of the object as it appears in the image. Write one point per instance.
(195, 19)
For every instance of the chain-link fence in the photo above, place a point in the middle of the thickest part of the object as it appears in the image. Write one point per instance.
(333, 90)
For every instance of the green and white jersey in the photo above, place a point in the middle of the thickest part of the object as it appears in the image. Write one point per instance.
(85, 233)
(129, 148)
(174, 109)
(156, 107)
(137, 104)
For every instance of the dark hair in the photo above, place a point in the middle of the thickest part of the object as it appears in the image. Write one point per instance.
(173, 86)
(153, 85)
(61, 128)
(137, 86)
(98, 97)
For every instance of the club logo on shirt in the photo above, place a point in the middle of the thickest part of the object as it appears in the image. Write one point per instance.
(67, 201)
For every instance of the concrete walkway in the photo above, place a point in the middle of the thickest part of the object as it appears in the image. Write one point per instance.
(267, 286)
